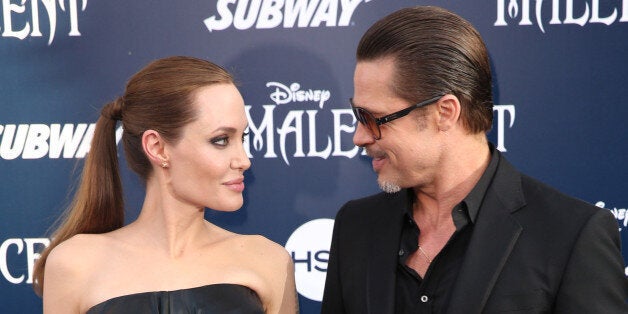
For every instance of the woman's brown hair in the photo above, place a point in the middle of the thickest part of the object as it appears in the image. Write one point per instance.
(159, 97)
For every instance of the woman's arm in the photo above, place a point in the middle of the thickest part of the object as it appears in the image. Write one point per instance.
(274, 265)
(290, 301)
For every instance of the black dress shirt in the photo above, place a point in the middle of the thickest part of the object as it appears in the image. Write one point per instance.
(432, 293)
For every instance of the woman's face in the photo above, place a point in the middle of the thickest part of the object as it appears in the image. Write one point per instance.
(206, 167)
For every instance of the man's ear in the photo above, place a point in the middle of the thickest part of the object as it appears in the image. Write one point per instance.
(449, 111)
(154, 148)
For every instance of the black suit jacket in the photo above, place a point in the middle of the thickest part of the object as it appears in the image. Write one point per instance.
(532, 250)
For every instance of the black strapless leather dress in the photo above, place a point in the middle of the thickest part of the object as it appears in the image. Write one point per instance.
(215, 298)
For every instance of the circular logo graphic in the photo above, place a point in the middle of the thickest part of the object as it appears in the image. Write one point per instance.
(309, 246)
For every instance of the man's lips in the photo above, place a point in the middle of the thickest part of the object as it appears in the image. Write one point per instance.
(379, 159)
(378, 163)
(236, 184)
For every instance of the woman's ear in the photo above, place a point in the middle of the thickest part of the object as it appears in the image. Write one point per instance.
(448, 111)
(155, 148)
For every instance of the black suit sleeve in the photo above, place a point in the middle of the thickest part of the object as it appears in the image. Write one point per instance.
(594, 280)
(332, 296)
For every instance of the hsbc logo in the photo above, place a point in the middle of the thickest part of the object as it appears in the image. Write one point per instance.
(309, 246)
(265, 14)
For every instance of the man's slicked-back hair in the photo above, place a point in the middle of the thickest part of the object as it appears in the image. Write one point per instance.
(435, 52)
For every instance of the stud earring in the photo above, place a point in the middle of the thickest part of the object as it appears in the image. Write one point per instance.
(164, 164)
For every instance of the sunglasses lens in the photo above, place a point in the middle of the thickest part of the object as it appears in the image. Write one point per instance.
(367, 119)
(358, 115)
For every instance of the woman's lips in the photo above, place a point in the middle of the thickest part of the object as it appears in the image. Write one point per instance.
(236, 185)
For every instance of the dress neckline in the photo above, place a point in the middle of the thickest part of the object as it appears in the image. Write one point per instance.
(211, 285)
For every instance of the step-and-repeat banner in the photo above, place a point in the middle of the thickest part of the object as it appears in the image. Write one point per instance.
(560, 69)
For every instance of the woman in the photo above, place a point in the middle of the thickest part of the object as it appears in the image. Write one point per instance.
(184, 123)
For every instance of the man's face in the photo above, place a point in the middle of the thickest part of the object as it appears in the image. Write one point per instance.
(408, 153)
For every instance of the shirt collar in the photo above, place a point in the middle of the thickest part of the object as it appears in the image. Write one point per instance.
(474, 199)
(472, 202)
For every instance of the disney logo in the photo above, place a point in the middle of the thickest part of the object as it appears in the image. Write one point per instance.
(283, 94)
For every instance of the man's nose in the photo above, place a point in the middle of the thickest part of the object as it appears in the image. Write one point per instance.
(362, 136)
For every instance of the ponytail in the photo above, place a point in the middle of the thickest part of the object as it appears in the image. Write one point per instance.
(158, 97)
(97, 206)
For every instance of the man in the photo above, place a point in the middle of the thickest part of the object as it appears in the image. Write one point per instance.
(458, 229)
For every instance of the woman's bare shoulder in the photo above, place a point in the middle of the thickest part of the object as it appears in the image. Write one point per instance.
(77, 253)
(274, 264)
(263, 253)
(68, 270)
(258, 244)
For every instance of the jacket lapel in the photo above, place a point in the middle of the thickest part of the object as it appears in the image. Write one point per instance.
(382, 261)
(495, 234)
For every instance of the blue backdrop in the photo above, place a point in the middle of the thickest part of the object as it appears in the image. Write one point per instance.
(559, 69)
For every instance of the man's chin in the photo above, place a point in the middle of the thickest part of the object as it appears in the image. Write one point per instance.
(388, 187)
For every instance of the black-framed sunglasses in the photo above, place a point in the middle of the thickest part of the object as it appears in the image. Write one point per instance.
(372, 124)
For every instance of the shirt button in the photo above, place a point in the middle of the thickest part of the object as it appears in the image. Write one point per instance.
(424, 298)
(401, 252)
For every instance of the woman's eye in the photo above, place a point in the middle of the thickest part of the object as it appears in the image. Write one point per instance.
(220, 141)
